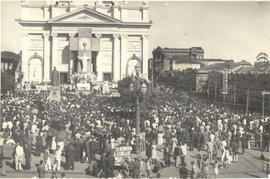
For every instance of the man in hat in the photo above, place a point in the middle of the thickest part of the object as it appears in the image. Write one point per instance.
(87, 148)
(78, 149)
(136, 168)
(39, 144)
(70, 156)
(192, 138)
(41, 170)
(110, 162)
(19, 154)
(194, 170)
(28, 151)
(57, 161)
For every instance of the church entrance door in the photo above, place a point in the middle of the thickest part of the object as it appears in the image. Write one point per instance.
(35, 70)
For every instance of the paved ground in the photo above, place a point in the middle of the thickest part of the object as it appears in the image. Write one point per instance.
(249, 166)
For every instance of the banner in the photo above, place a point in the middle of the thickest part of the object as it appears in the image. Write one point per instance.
(121, 153)
(85, 40)
(73, 44)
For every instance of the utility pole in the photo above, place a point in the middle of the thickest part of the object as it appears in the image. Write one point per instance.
(208, 90)
(247, 101)
(264, 93)
(137, 116)
(263, 104)
(234, 96)
(216, 91)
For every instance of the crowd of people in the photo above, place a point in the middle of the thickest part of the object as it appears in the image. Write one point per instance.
(88, 128)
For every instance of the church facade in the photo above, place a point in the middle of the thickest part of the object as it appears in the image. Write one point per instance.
(100, 40)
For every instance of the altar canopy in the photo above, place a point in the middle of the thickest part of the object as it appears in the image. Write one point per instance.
(83, 45)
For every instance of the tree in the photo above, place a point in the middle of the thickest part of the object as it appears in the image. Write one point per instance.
(123, 88)
(7, 82)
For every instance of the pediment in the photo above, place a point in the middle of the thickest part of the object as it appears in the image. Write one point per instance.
(84, 15)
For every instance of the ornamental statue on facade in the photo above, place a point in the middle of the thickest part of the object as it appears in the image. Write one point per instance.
(83, 62)
(55, 78)
(262, 61)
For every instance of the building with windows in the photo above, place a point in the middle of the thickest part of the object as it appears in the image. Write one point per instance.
(180, 59)
(162, 56)
(95, 40)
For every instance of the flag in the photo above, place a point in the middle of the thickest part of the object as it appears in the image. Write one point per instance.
(85, 40)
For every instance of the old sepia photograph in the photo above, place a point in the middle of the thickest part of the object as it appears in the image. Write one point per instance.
(135, 89)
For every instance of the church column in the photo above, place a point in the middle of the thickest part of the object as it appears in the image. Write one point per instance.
(53, 51)
(24, 45)
(116, 57)
(46, 57)
(71, 57)
(98, 61)
(124, 57)
(145, 56)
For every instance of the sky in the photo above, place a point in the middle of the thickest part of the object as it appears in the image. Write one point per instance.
(226, 30)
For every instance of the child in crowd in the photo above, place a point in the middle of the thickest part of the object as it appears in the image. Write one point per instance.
(47, 159)
(199, 159)
(54, 175)
(63, 175)
(194, 170)
(229, 162)
(148, 167)
(216, 169)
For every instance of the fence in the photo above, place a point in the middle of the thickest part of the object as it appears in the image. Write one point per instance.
(237, 98)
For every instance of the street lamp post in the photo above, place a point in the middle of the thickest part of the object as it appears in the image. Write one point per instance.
(138, 90)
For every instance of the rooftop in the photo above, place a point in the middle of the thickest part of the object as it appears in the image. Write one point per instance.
(253, 70)
(166, 49)
(216, 67)
(183, 59)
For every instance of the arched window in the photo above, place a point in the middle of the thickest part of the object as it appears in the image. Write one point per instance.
(131, 63)
(35, 69)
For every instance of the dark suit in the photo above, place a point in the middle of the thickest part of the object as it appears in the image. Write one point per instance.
(148, 150)
(92, 147)
(136, 169)
(27, 150)
(70, 157)
(41, 171)
(79, 149)
(192, 138)
(176, 153)
(183, 172)
(110, 162)
(167, 155)
(39, 145)
(86, 148)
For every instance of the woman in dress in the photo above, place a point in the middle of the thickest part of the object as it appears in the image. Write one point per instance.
(216, 169)
(177, 156)
(174, 143)
(205, 167)
(154, 151)
(183, 153)
(57, 161)
(160, 139)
